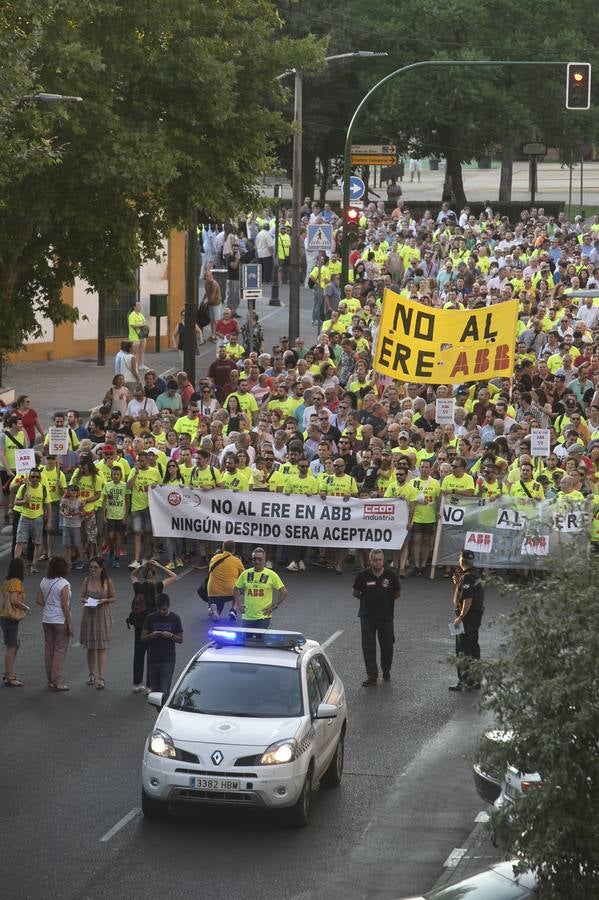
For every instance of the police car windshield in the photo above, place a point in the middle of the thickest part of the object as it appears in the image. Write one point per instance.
(240, 689)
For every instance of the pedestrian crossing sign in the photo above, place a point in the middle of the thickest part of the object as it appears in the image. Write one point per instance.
(320, 237)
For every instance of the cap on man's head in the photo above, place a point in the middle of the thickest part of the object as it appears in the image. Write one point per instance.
(107, 448)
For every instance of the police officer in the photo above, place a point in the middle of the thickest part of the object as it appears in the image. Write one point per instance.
(468, 602)
(377, 589)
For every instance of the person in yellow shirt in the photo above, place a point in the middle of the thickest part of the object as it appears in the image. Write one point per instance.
(203, 475)
(425, 516)
(224, 570)
(527, 488)
(90, 483)
(56, 482)
(488, 487)
(282, 401)
(33, 503)
(459, 483)
(352, 304)
(234, 349)
(138, 332)
(340, 484)
(233, 478)
(142, 478)
(401, 487)
(303, 482)
(568, 496)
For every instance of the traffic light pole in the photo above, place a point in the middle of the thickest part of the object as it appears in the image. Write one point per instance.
(373, 90)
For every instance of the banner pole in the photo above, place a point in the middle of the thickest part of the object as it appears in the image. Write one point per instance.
(437, 539)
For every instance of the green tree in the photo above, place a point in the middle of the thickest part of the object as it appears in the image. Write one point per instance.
(181, 109)
(543, 685)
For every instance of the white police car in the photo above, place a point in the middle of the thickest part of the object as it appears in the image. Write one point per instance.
(257, 718)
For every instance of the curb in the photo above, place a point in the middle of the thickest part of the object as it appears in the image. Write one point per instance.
(477, 853)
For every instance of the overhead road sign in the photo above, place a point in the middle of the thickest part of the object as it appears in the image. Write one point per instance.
(320, 237)
(372, 160)
(374, 149)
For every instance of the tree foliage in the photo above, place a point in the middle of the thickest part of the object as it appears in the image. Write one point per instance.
(181, 109)
(544, 686)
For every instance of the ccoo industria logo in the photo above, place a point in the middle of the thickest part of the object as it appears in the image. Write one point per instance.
(379, 511)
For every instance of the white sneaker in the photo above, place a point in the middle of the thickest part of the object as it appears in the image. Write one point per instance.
(212, 611)
(135, 564)
(292, 567)
(302, 565)
(138, 688)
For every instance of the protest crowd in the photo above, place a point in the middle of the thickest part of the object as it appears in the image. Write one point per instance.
(315, 417)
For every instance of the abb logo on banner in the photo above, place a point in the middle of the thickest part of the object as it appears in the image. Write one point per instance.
(479, 541)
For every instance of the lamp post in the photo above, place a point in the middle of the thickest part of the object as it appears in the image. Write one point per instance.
(395, 74)
(296, 188)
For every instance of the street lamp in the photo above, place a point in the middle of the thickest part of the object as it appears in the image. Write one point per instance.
(296, 188)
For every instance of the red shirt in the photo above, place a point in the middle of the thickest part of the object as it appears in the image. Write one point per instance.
(27, 420)
(225, 328)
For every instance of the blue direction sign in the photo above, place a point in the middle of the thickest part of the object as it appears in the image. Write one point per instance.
(251, 276)
(356, 188)
(320, 237)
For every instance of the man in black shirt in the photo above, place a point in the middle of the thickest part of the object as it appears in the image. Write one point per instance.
(468, 602)
(377, 589)
(162, 630)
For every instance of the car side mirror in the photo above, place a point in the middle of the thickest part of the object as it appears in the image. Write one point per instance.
(324, 711)
(156, 698)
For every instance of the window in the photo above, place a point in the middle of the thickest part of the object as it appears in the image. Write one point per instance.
(313, 689)
(118, 306)
(324, 677)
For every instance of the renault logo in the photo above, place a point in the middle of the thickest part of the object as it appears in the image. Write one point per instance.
(217, 757)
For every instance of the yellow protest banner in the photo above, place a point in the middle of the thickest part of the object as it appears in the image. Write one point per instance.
(445, 346)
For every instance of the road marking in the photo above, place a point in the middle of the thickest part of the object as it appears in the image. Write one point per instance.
(454, 857)
(168, 371)
(482, 816)
(120, 824)
(332, 638)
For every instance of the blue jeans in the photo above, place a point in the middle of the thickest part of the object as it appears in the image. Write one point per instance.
(161, 675)
(255, 623)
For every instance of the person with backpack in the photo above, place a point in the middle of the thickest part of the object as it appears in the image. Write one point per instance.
(145, 598)
(35, 506)
(12, 438)
(217, 589)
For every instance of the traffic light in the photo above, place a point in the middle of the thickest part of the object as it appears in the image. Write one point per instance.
(578, 86)
(351, 219)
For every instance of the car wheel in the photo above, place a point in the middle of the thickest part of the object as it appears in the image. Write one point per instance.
(334, 773)
(151, 808)
(300, 813)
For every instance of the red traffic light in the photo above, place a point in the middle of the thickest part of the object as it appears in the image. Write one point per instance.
(352, 215)
(578, 86)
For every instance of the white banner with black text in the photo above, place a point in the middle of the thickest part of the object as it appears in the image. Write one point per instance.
(255, 517)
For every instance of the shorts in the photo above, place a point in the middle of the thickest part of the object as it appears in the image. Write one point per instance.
(141, 523)
(116, 525)
(30, 528)
(10, 630)
(90, 526)
(423, 527)
(216, 313)
(71, 535)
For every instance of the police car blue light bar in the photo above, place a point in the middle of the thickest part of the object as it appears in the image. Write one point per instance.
(247, 637)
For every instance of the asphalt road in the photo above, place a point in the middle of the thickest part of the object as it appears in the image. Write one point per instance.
(71, 765)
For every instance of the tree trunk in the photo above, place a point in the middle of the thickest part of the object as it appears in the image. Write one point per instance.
(507, 167)
(102, 298)
(308, 168)
(453, 189)
(325, 165)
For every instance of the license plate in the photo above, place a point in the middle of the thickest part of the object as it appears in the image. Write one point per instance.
(213, 784)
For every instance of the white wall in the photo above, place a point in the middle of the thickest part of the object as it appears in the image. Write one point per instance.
(153, 279)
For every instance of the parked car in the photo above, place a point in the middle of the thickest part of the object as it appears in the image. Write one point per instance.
(494, 883)
(495, 781)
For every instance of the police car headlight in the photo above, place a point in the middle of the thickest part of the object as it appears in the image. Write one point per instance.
(279, 753)
(161, 744)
